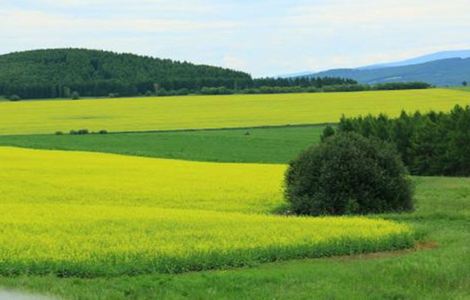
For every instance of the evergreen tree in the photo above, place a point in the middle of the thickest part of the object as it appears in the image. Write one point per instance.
(327, 132)
(429, 144)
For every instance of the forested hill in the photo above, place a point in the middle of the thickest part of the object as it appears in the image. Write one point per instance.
(72, 73)
(58, 72)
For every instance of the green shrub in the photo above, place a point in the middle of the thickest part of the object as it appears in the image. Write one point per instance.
(348, 174)
(83, 131)
(327, 132)
(79, 132)
(14, 98)
(75, 95)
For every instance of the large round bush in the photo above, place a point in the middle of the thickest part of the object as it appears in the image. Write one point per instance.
(348, 174)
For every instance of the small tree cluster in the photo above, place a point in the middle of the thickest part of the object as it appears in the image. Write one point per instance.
(75, 95)
(79, 132)
(348, 174)
(429, 144)
(14, 98)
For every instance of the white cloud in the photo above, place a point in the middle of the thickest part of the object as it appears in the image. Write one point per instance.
(133, 6)
(234, 62)
(266, 37)
(366, 12)
(37, 21)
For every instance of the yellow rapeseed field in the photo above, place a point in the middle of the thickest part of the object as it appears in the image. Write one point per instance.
(168, 113)
(61, 177)
(94, 240)
(90, 214)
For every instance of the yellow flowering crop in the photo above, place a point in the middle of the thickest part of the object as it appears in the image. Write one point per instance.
(62, 177)
(89, 214)
(133, 114)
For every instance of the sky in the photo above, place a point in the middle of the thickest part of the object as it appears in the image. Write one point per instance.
(263, 38)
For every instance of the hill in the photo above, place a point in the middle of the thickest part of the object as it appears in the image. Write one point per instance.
(422, 59)
(54, 73)
(444, 72)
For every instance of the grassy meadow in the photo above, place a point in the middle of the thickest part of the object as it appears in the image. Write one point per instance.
(196, 112)
(195, 216)
(254, 145)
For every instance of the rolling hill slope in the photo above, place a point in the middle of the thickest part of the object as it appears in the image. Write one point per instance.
(444, 72)
(422, 59)
(53, 73)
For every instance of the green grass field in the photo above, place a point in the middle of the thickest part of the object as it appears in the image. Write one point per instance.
(191, 112)
(83, 225)
(256, 145)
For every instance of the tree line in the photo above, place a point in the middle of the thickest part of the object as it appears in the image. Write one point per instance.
(63, 73)
(433, 143)
(55, 73)
(344, 87)
(115, 88)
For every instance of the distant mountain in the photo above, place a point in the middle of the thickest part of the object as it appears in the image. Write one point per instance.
(421, 59)
(297, 74)
(443, 72)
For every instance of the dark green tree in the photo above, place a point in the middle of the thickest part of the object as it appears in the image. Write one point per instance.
(327, 132)
(429, 144)
(75, 95)
(348, 174)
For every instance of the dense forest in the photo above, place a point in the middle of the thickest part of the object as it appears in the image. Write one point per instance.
(55, 73)
(430, 144)
(59, 72)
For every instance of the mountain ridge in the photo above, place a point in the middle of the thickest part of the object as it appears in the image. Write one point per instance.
(421, 59)
(442, 72)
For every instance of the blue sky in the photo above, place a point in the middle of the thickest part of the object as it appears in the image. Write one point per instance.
(264, 38)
